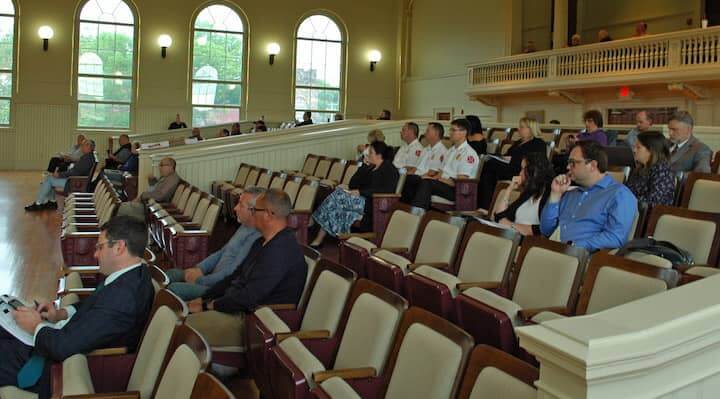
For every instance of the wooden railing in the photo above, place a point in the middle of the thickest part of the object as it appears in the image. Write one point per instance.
(685, 55)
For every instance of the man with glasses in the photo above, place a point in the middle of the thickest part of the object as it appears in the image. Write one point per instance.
(273, 272)
(114, 315)
(192, 283)
(161, 190)
(596, 215)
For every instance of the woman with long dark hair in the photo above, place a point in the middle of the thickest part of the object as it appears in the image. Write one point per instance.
(652, 181)
(523, 214)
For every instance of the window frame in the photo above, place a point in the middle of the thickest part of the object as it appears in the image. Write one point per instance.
(134, 68)
(242, 108)
(13, 67)
(342, 99)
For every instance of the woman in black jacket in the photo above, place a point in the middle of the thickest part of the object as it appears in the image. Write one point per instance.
(343, 207)
(523, 214)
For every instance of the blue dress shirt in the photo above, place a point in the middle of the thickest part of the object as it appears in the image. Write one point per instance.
(224, 262)
(598, 217)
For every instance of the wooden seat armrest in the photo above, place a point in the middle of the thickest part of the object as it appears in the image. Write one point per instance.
(281, 306)
(80, 270)
(436, 265)
(683, 268)
(191, 233)
(345, 374)
(388, 195)
(528, 314)
(107, 395)
(120, 350)
(307, 334)
(480, 213)
(182, 219)
(83, 292)
(191, 226)
(368, 236)
(395, 250)
(488, 285)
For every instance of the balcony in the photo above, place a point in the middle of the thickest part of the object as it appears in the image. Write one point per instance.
(670, 59)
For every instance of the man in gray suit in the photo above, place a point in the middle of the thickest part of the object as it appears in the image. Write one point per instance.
(687, 154)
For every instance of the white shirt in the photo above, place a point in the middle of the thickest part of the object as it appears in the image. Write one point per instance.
(460, 161)
(679, 145)
(408, 155)
(432, 158)
(71, 309)
(528, 212)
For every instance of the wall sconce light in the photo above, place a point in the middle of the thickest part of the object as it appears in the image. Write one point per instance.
(164, 41)
(374, 56)
(46, 33)
(273, 49)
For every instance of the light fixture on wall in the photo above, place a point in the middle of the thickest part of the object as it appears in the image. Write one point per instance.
(46, 33)
(164, 41)
(374, 56)
(273, 49)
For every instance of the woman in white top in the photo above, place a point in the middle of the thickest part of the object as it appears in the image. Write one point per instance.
(523, 214)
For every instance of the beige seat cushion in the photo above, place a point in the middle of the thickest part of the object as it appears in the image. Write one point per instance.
(393, 259)
(494, 300)
(302, 358)
(615, 287)
(401, 230)
(702, 271)
(485, 258)
(694, 236)
(547, 316)
(362, 243)
(704, 196)
(180, 375)
(440, 276)
(271, 320)
(337, 388)
(440, 200)
(11, 392)
(326, 303)
(438, 243)
(495, 383)
(546, 279)
(76, 376)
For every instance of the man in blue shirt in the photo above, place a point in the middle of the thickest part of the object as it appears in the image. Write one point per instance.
(192, 283)
(596, 215)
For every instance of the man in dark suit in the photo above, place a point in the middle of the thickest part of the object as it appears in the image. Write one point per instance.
(688, 154)
(113, 316)
(273, 272)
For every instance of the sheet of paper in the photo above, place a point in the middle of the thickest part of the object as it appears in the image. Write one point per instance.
(7, 305)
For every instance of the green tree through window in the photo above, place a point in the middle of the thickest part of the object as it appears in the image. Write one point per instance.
(7, 45)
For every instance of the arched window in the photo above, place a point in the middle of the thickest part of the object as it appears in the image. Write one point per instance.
(106, 62)
(7, 45)
(318, 68)
(217, 70)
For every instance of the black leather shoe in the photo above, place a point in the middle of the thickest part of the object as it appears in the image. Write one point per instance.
(50, 205)
(34, 207)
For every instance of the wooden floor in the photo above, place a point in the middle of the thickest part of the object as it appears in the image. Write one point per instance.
(30, 256)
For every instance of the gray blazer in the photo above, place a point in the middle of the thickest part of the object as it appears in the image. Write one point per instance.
(694, 156)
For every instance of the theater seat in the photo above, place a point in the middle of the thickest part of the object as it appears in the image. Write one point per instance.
(427, 360)
(694, 231)
(371, 315)
(188, 243)
(701, 192)
(466, 193)
(400, 232)
(492, 373)
(239, 180)
(299, 218)
(209, 387)
(318, 316)
(548, 277)
(485, 259)
(227, 192)
(435, 245)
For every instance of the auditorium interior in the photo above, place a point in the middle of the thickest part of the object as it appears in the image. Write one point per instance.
(436, 287)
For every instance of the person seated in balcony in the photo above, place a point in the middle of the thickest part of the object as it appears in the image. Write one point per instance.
(235, 129)
(596, 215)
(652, 181)
(385, 115)
(410, 151)
(431, 160)
(177, 123)
(529, 47)
(193, 282)
(196, 134)
(307, 119)
(63, 160)
(575, 40)
(640, 29)
(364, 149)
(533, 181)
(461, 162)
(338, 117)
(223, 132)
(643, 123)
(46, 195)
(342, 207)
(260, 126)
(505, 168)
(117, 158)
(687, 154)
(603, 36)
(476, 139)
(273, 272)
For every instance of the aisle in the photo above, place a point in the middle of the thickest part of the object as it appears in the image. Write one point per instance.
(30, 255)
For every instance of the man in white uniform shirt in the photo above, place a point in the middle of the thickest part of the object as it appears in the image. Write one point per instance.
(461, 162)
(431, 160)
(408, 155)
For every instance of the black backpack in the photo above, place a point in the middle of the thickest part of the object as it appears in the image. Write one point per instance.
(663, 249)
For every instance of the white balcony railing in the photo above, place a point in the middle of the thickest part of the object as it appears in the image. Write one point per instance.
(647, 59)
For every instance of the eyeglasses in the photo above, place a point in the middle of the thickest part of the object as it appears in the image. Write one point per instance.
(255, 210)
(573, 162)
(99, 245)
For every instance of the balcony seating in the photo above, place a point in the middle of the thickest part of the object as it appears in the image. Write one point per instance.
(484, 260)
(371, 315)
(492, 373)
(299, 218)
(82, 374)
(694, 231)
(240, 177)
(400, 232)
(547, 277)
(427, 360)
(701, 192)
(188, 243)
(612, 281)
(318, 316)
(435, 244)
